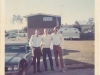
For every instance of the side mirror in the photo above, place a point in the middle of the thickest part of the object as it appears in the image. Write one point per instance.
(29, 49)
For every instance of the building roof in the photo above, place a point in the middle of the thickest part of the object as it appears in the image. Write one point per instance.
(40, 14)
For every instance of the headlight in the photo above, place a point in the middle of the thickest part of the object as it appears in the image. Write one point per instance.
(15, 67)
(10, 68)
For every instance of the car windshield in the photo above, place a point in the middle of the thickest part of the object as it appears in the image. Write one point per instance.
(15, 49)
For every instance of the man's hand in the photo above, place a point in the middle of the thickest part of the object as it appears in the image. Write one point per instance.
(32, 48)
(41, 46)
(32, 51)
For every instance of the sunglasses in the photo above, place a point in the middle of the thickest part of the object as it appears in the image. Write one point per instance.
(56, 30)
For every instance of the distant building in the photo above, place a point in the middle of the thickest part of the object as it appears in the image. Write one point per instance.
(41, 21)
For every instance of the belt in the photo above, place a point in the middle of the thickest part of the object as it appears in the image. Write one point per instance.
(36, 47)
(56, 45)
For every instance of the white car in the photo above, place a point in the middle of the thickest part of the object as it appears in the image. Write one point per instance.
(12, 36)
(70, 33)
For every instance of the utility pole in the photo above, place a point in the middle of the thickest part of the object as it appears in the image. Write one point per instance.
(61, 13)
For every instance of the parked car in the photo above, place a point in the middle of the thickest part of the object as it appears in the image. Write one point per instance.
(12, 36)
(22, 34)
(18, 57)
(87, 36)
(7, 34)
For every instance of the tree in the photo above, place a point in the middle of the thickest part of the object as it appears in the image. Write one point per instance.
(90, 21)
(77, 25)
(18, 19)
(25, 29)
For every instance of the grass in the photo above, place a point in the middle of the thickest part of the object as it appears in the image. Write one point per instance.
(79, 53)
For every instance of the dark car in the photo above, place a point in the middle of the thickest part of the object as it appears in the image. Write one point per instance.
(7, 34)
(18, 57)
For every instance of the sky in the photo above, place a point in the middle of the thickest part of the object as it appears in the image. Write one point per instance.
(70, 10)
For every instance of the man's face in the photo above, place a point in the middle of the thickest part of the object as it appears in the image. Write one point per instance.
(55, 30)
(37, 32)
(45, 31)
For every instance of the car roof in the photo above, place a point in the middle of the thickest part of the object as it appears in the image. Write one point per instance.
(15, 43)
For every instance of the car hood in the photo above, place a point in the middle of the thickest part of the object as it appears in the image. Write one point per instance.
(13, 58)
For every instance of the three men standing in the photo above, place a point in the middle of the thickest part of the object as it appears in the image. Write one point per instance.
(36, 41)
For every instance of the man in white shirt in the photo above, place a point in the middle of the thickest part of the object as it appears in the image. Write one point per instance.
(46, 42)
(57, 40)
(35, 44)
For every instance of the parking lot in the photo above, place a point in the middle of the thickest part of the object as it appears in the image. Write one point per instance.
(78, 56)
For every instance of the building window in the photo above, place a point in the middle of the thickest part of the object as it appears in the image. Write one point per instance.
(47, 18)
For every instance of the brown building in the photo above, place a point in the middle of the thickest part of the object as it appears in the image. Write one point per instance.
(41, 21)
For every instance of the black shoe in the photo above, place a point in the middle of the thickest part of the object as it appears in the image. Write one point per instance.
(39, 71)
(52, 69)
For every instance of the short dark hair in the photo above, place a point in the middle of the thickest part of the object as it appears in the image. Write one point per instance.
(55, 27)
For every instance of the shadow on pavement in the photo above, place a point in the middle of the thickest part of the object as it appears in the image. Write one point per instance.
(74, 64)
(69, 64)
(66, 52)
(79, 39)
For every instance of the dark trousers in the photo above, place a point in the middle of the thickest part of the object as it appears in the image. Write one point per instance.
(48, 52)
(37, 55)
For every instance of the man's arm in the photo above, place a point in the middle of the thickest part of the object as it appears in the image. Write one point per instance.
(51, 45)
(41, 41)
(51, 36)
(30, 41)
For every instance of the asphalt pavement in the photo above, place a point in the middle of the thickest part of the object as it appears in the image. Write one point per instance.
(86, 71)
(74, 71)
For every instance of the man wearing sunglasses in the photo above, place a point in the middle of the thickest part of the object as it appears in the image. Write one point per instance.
(57, 40)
